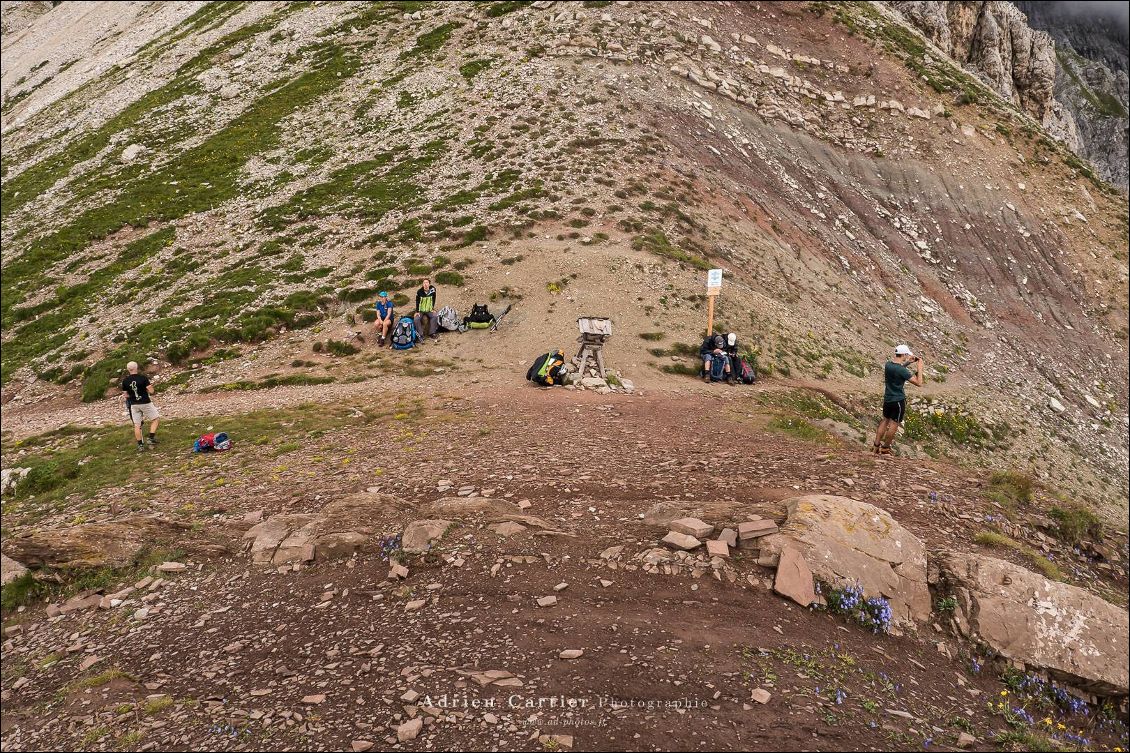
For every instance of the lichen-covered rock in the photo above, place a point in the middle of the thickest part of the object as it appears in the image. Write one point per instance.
(847, 541)
(115, 543)
(1067, 631)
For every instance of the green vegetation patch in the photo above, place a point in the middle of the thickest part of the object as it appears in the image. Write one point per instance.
(289, 380)
(1038, 561)
(366, 190)
(656, 243)
(473, 68)
(501, 8)
(74, 463)
(27, 589)
(799, 428)
(193, 181)
(1076, 523)
(431, 41)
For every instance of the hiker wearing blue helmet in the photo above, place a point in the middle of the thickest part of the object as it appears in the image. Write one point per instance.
(385, 317)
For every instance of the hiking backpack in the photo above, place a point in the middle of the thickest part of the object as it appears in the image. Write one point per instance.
(717, 368)
(448, 319)
(404, 334)
(479, 318)
(548, 370)
(212, 443)
(746, 373)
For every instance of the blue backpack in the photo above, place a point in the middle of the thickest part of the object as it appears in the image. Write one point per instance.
(718, 368)
(404, 334)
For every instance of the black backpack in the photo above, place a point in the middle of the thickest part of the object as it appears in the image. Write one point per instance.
(480, 317)
(548, 369)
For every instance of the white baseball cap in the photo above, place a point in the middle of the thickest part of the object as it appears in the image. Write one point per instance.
(903, 350)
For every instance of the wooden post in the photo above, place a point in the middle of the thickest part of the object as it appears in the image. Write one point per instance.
(713, 288)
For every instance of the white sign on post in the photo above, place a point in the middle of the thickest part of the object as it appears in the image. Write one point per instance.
(714, 281)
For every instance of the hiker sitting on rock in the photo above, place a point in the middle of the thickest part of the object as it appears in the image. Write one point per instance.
(385, 317)
(141, 407)
(731, 350)
(715, 362)
(895, 376)
(425, 316)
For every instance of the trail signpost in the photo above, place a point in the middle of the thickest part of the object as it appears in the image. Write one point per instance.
(713, 288)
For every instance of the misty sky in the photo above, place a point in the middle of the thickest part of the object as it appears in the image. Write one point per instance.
(1115, 9)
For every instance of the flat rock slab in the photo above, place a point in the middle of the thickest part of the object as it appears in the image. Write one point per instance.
(419, 535)
(691, 527)
(678, 540)
(718, 549)
(1065, 630)
(753, 529)
(508, 528)
(114, 543)
(794, 578)
(729, 535)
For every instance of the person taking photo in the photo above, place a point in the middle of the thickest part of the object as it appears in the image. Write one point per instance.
(896, 374)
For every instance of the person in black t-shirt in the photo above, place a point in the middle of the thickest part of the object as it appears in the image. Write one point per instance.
(139, 404)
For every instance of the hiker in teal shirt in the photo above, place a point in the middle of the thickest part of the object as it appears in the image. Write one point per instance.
(895, 376)
(385, 317)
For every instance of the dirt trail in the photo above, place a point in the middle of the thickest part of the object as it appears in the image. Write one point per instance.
(52, 411)
(250, 657)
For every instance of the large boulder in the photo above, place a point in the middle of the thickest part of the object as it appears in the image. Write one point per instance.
(1064, 630)
(847, 541)
(113, 543)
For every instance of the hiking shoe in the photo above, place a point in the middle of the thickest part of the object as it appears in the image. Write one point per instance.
(884, 450)
(141, 448)
(151, 441)
(706, 378)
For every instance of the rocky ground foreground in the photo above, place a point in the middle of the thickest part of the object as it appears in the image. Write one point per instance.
(551, 570)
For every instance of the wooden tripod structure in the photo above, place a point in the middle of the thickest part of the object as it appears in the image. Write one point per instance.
(595, 331)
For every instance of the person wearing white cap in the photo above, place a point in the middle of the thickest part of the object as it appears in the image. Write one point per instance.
(895, 376)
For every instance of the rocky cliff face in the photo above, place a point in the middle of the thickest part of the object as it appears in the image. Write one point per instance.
(1091, 79)
(992, 39)
(1065, 69)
